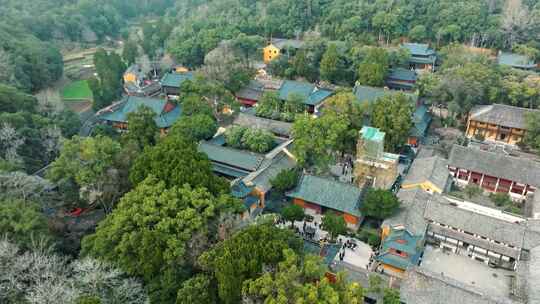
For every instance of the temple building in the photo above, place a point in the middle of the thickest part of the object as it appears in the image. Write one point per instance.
(373, 166)
(171, 82)
(318, 195)
(498, 123)
(400, 249)
(422, 56)
(312, 96)
(430, 174)
(494, 172)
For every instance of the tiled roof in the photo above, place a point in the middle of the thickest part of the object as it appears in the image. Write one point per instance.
(402, 74)
(421, 286)
(366, 94)
(262, 180)
(516, 60)
(411, 211)
(418, 49)
(472, 222)
(421, 120)
(499, 165)
(328, 193)
(281, 43)
(133, 103)
(433, 169)
(277, 127)
(175, 80)
(503, 115)
(253, 91)
(234, 158)
(310, 94)
(403, 240)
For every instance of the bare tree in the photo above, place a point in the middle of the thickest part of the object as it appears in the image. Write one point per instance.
(515, 20)
(49, 101)
(10, 141)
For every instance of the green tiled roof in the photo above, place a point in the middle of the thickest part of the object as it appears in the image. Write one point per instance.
(373, 134)
(421, 120)
(404, 241)
(328, 193)
(516, 60)
(244, 160)
(418, 49)
(365, 94)
(309, 92)
(402, 74)
(133, 103)
(175, 80)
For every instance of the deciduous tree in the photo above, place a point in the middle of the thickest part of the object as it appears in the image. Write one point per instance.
(392, 114)
(380, 204)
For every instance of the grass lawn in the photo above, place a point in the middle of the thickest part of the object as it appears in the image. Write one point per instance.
(77, 90)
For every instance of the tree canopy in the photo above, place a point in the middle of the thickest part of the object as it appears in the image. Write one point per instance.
(156, 232)
(392, 114)
(380, 204)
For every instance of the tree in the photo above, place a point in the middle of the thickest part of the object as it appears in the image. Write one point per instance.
(243, 256)
(380, 204)
(234, 135)
(258, 140)
(198, 127)
(22, 222)
(292, 213)
(142, 127)
(472, 190)
(501, 199)
(198, 290)
(157, 232)
(418, 33)
(391, 296)
(335, 224)
(285, 180)
(130, 52)
(330, 64)
(40, 276)
(532, 136)
(93, 164)
(269, 106)
(374, 67)
(301, 280)
(292, 106)
(176, 161)
(392, 114)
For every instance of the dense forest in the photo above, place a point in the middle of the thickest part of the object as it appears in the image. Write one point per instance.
(157, 224)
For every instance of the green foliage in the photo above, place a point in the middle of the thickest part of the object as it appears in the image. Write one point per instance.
(94, 164)
(88, 300)
(500, 199)
(345, 106)
(374, 67)
(199, 289)
(331, 64)
(380, 204)
(258, 140)
(253, 139)
(130, 52)
(269, 106)
(22, 222)
(198, 127)
(532, 136)
(472, 190)
(13, 100)
(391, 296)
(370, 236)
(335, 224)
(292, 213)
(315, 139)
(107, 87)
(142, 127)
(392, 114)
(285, 180)
(147, 235)
(77, 90)
(243, 256)
(298, 280)
(176, 161)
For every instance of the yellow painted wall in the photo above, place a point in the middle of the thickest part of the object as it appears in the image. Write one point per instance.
(270, 53)
(392, 270)
(130, 77)
(426, 186)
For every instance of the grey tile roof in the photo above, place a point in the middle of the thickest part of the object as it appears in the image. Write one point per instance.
(433, 169)
(411, 213)
(503, 115)
(281, 43)
(483, 225)
(495, 164)
(328, 193)
(253, 91)
(369, 95)
(421, 286)
(232, 157)
(267, 172)
(277, 127)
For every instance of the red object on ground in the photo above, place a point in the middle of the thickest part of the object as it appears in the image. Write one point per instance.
(76, 212)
